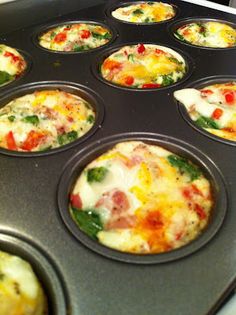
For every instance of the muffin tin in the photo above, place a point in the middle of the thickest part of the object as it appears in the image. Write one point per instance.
(197, 282)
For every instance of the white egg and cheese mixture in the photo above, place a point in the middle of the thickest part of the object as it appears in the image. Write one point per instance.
(212, 108)
(207, 34)
(140, 198)
(44, 120)
(12, 64)
(144, 66)
(20, 291)
(144, 12)
(75, 37)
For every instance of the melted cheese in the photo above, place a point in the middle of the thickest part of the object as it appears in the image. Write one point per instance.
(146, 204)
(20, 291)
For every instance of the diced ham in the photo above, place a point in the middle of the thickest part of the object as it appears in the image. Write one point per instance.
(121, 223)
(116, 201)
(120, 202)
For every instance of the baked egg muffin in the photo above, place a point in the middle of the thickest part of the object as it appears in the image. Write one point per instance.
(144, 66)
(44, 120)
(141, 198)
(20, 290)
(75, 37)
(12, 64)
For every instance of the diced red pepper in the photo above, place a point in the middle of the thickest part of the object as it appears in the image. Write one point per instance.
(129, 80)
(217, 113)
(186, 32)
(32, 141)
(200, 211)
(151, 85)
(85, 34)
(159, 52)
(76, 201)
(11, 143)
(229, 97)
(60, 37)
(204, 93)
(141, 48)
(14, 57)
(66, 28)
(111, 64)
(189, 191)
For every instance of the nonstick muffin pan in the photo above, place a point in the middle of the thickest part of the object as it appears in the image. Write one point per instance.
(195, 283)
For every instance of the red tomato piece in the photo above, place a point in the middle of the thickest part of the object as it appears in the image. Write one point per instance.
(200, 211)
(14, 57)
(11, 143)
(76, 201)
(33, 140)
(60, 37)
(129, 80)
(141, 48)
(85, 34)
(151, 85)
(217, 113)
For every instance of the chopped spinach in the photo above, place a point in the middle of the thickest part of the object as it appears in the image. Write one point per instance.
(11, 118)
(33, 119)
(96, 174)
(181, 37)
(90, 119)
(175, 60)
(137, 12)
(2, 276)
(167, 80)
(151, 3)
(147, 20)
(89, 221)
(67, 137)
(81, 48)
(184, 166)
(5, 77)
(206, 122)
(52, 35)
(107, 35)
(131, 57)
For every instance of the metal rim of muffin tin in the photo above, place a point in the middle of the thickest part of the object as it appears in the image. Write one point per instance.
(84, 92)
(96, 65)
(199, 84)
(109, 11)
(35, 38)
(172, 28)
(28, 60)
(46, 272)
(77, 163)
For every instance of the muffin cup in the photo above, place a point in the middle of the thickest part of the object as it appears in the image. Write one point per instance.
(75, 166)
